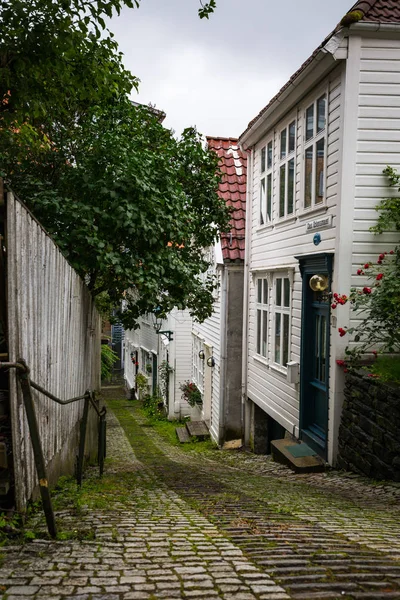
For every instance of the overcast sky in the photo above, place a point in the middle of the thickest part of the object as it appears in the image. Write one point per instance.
(218, 74)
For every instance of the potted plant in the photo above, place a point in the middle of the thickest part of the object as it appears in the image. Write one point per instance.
(191, 393)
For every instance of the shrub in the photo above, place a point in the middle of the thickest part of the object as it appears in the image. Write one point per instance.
(108, 358)
(190, 393)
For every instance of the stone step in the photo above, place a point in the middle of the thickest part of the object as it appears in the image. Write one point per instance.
(198, 429)
(310, 462)
(183, 435)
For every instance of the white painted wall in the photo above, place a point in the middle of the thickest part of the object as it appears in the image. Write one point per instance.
(273, 248)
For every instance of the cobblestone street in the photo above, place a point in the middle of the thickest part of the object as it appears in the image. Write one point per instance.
(205, 525)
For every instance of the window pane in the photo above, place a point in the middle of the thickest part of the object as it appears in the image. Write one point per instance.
(265, 292)
(292, 136)
(319, 174)
(290, 194)
(259, 291)
(321, 113)
(282, 190)
(278, 338)
(269, 197)
(283, 143)
(269, 155)
(323, 348)
(264, 332)
(285, 340)
(258, 332)
(278, 300)
(286, 292)
(262, 201)
(310, 122)
(308, 176)
(262, 159)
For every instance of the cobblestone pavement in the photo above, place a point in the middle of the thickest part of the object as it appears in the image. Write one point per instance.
(224, 525)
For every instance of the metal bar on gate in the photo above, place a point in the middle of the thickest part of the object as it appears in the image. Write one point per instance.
(82, 441)
(37, 448)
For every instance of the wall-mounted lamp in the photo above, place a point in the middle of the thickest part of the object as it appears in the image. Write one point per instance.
(320, 284)
(132, 354)
(157, 322)
(202, 355)
(211, 362)
(167, 334)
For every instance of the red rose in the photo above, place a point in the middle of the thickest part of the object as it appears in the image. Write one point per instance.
(342, 331)
(360, 272)
(341, 363)
(391, 252)
(379, 276)
(381, 256)
(366, 266)
(379, 262)
(333, 305)
(367, 290)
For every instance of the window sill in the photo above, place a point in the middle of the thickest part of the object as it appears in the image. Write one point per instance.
(281, 370)
(263, 228)
(261, 359)
(320, 210)
(285, 221)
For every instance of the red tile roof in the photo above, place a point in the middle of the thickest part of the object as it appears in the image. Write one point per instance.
(232, 189)
(377, 11)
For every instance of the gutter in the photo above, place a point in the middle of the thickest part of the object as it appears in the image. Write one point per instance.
(364, 26)
(246, 294)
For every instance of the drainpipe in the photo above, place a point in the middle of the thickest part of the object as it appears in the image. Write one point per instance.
(222, 366)
(246, 292)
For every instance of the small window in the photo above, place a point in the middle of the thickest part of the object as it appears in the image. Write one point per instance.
(262, 317)
(265, 214)
(282, 321)
(287, 170)
(314, 153)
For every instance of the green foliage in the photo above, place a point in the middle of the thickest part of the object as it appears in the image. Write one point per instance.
(386, 368)
(377, 305)
(389, 208)
(130, 206)
(153, 407)
(190, 393)
(164, 371)
(108, 358)
(207, 9)
(141, 382)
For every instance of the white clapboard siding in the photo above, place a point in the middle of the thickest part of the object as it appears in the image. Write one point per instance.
(210, 332)
(378, 145)
(55, 327)
(180, 322)
(276, 246)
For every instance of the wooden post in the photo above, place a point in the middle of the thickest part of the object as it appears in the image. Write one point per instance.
(37, 448)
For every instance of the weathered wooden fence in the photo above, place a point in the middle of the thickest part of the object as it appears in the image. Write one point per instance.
(54, 326)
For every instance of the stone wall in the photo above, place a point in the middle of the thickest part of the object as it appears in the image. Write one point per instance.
(369, 435)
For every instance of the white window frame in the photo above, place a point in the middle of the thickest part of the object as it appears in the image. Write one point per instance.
(311, 144)
(197, 362)
(284, 159)
(262, 315)
(266, 175)
(282, 310)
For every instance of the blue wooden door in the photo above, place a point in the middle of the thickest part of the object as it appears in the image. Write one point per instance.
(314, 366)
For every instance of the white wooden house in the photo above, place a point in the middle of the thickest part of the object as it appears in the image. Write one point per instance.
(146, 350)
(217, 342)
(316, 155)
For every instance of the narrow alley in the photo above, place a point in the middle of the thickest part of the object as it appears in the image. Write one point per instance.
(205, 525)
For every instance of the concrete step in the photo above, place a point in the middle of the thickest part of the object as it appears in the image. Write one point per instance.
(301, 460)
(183, 435)
(198, 429)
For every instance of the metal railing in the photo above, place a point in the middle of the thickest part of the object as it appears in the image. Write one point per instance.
(27, 384)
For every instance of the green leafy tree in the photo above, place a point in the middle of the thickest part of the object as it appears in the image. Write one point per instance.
(130, 206)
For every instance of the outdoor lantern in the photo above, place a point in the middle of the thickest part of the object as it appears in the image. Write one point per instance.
(202, 355)
(319, 283)
(211, 362)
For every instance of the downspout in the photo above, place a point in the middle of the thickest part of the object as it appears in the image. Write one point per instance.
(222, 390)
(246, 293)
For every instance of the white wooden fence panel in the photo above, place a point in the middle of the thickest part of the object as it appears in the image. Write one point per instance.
(54, 325)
